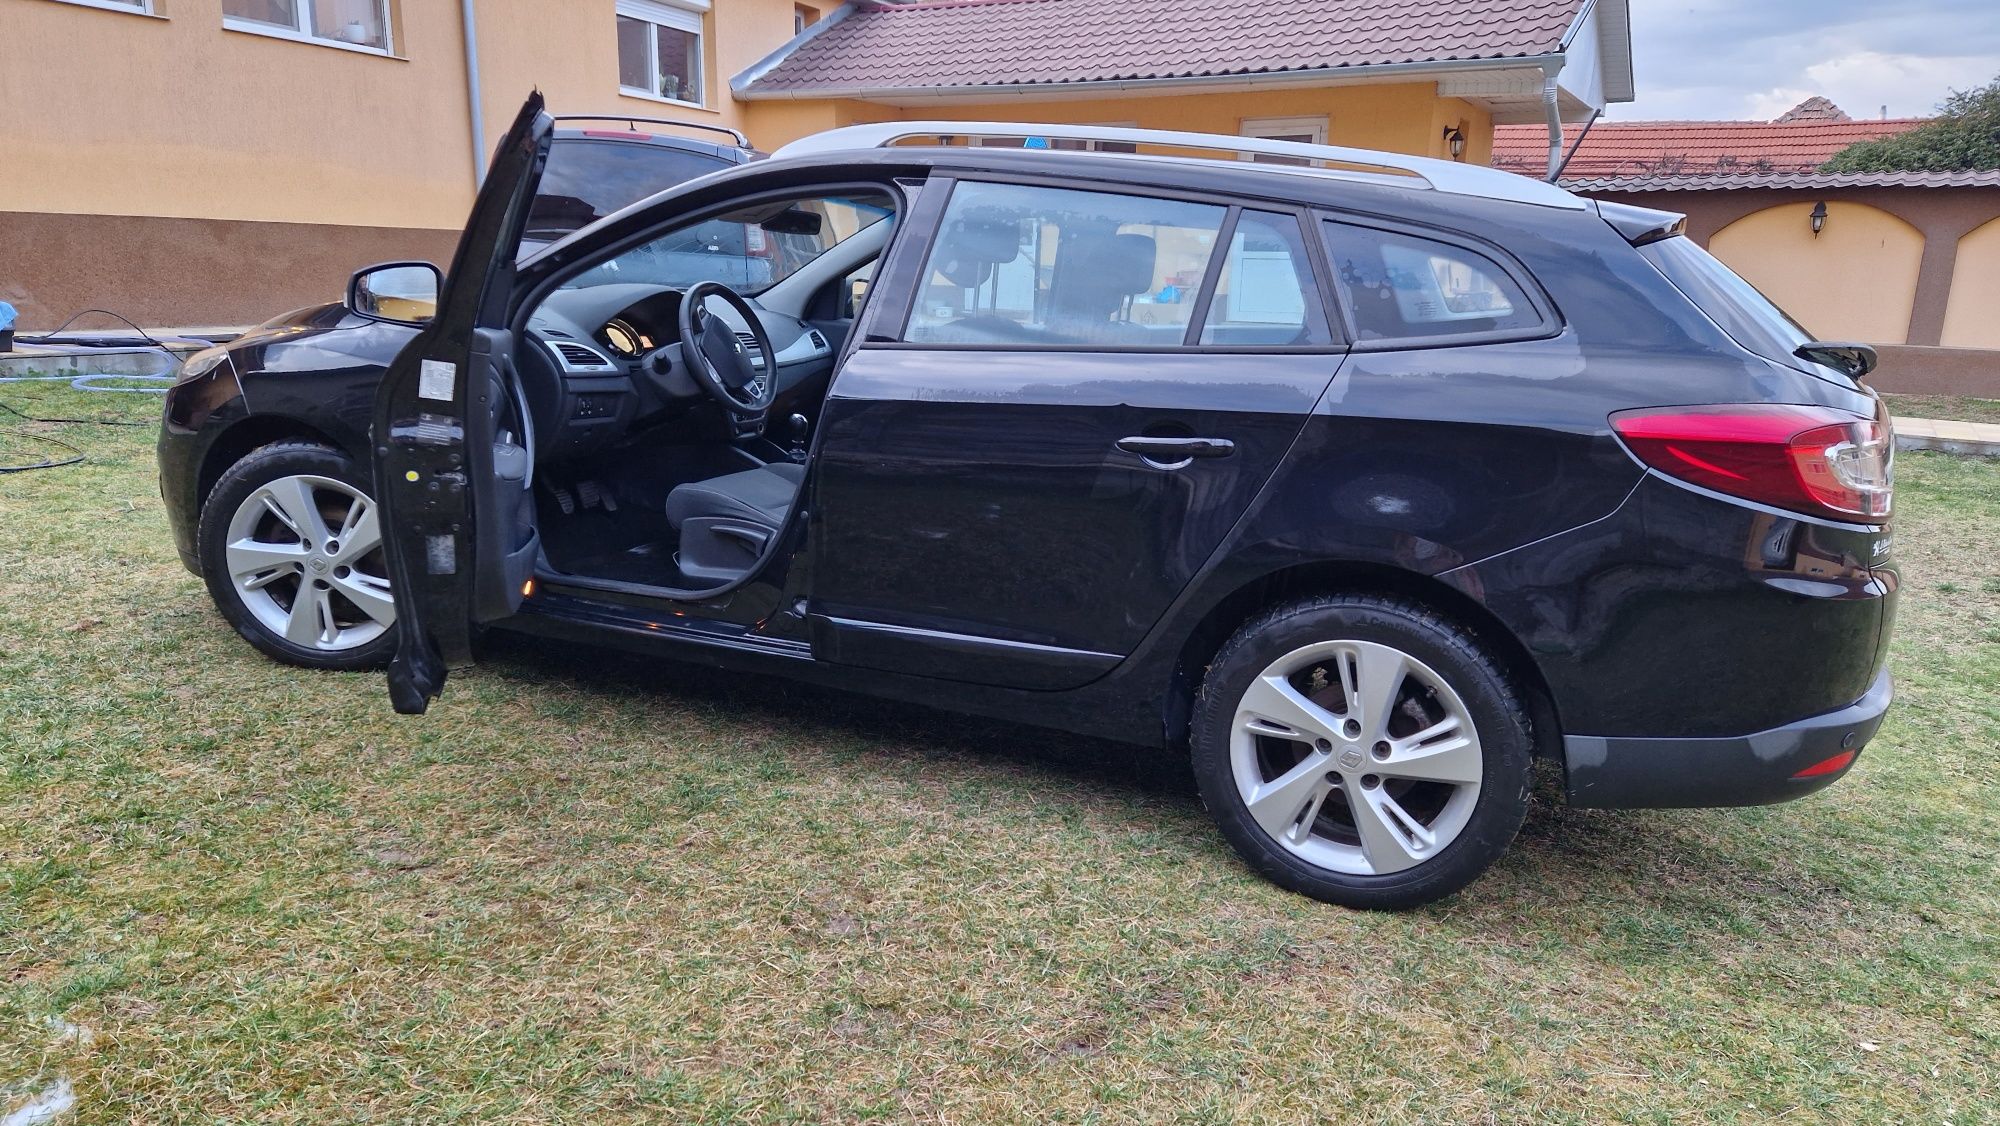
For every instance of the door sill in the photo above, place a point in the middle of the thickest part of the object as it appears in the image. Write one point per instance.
(552, 600)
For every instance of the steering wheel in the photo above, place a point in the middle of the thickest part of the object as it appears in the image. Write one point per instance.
(717, 357)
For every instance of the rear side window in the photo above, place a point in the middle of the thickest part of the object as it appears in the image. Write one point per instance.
(1265, 296)
(1749, 317)
(1026, 265)
(585, 180)
(1405, 288)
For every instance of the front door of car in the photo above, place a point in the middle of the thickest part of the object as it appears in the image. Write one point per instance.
(1063, 401)
(452, 448)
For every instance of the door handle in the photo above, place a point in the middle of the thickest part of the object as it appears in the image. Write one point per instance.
(1173, 453)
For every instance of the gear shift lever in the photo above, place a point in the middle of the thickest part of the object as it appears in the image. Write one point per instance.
(799, 425)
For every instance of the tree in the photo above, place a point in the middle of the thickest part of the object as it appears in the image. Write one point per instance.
(1965, 135)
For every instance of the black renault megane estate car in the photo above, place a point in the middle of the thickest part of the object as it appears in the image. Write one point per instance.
(1363, 479)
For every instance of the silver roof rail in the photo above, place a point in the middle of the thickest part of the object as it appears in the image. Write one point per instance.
(1439, 175)
(631, 122)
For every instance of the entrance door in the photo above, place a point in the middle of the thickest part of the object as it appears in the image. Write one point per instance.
(1019, 474)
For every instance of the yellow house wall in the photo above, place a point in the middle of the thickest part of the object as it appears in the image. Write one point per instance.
(1972, 317)
(171, 115)
(1815, 279)
(1406, 117)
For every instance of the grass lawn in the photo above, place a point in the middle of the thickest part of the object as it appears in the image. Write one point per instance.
(593, 888)
(1955, 408)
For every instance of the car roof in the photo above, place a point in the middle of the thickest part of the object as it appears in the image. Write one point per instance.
(1257, 157)
(640, 130)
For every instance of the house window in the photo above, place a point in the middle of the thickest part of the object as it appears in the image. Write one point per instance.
(142, 7)
(659, 50)
(360, 24)
(803, 17)
(1066, 144)
(1305, 130)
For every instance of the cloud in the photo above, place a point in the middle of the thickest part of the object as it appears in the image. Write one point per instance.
(1729, 59)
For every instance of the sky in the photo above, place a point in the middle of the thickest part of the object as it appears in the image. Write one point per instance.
(1754, 59)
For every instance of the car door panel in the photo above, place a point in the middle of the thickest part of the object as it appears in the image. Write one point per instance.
(978, 520)
(452, 478)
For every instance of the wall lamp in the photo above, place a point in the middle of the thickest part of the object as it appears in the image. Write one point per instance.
(1454, 139)
(1818, 217)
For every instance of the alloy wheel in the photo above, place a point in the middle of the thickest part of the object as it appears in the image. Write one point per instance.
(1356, 757)
(305, 555)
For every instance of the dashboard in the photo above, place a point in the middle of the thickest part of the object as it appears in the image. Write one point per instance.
(593, 369)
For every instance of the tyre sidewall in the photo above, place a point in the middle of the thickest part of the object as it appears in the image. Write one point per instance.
(261, 466)
(1453, 653)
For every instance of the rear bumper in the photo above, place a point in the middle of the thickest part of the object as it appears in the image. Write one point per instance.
(1759, 769)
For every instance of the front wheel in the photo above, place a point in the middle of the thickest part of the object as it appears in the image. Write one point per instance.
(1362, 750)
(291, 548)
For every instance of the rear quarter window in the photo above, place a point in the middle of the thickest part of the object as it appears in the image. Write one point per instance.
(1404, 289)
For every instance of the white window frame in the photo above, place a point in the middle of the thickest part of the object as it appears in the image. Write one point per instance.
(129, 7)
(301, 30)
(689, 16)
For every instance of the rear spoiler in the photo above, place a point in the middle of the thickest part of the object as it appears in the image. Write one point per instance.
(1640, 225)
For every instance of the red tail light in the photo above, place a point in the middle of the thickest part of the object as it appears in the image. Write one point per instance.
(1828, 765)
(1815, 460)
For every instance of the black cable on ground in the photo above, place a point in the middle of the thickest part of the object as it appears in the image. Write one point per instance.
(49, 464)
(49, 338)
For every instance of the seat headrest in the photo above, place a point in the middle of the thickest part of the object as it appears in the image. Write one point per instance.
(1095, 272)
(972, 245)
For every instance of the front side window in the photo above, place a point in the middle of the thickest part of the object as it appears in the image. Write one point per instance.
(350, 23)
(1015, 264)
(659, 50)
(1402, 287)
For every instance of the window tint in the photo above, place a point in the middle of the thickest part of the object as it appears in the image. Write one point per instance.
(748, 250)
(1266, 294)
(585, 180)
(1033, 265)
(1401, 287)
(1744, 313)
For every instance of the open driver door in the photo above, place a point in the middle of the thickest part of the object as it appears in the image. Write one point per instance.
(452, 442)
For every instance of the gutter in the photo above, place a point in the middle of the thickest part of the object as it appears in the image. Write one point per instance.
(1552, 105)
(472, 97)
(742, 85)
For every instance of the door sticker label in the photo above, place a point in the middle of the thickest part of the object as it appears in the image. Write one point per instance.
(435, 379)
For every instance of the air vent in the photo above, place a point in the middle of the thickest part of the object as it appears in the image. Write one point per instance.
(818, 341)
(576, 357)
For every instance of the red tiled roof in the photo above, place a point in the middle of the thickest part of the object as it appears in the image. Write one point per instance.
(960, 43)
(1690, 148)
(1800, 181)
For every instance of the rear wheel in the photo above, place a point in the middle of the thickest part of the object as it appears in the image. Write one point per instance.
(1362, 750)
(291, 548)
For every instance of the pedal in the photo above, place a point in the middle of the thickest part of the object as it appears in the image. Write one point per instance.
(564, 501)
(589, 494)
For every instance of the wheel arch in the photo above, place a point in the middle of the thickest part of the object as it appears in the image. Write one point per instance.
(243, 438)
(1304, 580)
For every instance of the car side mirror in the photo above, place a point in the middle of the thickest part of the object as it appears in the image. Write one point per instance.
(403, 292)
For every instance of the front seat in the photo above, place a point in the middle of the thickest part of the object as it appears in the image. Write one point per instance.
(726, 522)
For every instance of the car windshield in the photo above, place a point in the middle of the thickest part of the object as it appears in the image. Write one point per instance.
(1750, 318)
(587, 179)
(749, 250)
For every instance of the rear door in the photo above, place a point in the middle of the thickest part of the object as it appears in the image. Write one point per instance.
(1077, 397)
(452, 455)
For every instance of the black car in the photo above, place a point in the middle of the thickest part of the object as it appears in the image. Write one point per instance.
(1365, 481)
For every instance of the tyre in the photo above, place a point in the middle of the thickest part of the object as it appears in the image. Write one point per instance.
(291, 549)
(1362, 750)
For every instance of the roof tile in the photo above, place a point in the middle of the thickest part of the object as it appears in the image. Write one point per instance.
(960, 43)
(1686, 148)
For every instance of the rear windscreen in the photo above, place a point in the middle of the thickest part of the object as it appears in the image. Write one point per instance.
(1745, 314)
(588, 179)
